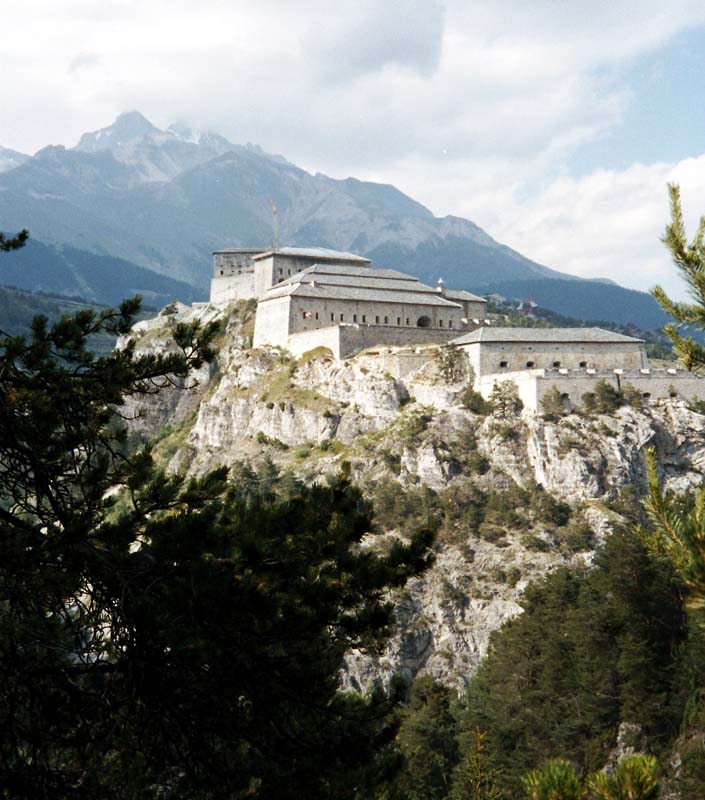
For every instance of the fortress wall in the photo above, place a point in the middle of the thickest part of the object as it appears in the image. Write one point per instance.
(332, 312)
(345, 340)
(487, 356)
(653, 384)
(234, 287)
(272, 323)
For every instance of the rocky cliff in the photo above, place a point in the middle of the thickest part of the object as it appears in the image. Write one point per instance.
(512, 496)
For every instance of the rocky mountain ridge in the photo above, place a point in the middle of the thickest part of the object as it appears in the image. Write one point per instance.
(512, 496)
(164, 199)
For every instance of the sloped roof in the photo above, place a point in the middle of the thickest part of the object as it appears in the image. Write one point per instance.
(341, 282)
(322, 253)
(461, 294)
(541, 335)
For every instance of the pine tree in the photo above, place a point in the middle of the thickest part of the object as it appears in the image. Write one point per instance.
(164, 636)
(689, 259)
(476, 776)
(14, 242)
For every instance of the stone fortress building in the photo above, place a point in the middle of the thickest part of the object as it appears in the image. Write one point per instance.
(316, 297)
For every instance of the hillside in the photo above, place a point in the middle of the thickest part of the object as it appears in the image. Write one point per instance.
(163, 200)
(97, 278)
(513, 497)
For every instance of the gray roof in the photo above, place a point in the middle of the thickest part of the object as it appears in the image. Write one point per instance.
(373, 295)
(239, 250)
(461, 294)
(539, 335)
(322, 253)
(355, 283)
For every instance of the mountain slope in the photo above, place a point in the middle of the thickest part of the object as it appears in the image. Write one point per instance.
(92, 277)
(164, 200)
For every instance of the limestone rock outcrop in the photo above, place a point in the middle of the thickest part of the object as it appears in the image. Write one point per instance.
(410, 430)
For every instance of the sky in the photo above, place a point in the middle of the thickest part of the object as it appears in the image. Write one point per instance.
(554, 125)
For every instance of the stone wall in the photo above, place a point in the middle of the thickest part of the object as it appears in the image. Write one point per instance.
(308, 313)
(232, 287)
(488, 357)
(652, 384)
(345, 340)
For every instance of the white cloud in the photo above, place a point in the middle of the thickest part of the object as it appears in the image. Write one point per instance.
(609, 223)
(469, 107)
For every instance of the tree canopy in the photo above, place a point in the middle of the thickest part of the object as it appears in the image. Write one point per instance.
(165, 636)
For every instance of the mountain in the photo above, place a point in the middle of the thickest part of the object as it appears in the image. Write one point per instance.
(9, 159)
(93, 278)
(164, 199)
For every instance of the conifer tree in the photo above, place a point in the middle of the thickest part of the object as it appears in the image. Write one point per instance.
(689, 259)
(163, 636)
(13, 242)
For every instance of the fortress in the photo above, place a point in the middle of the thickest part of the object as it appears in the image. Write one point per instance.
(316, 297)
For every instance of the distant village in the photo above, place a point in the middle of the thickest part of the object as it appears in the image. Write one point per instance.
(316, 297)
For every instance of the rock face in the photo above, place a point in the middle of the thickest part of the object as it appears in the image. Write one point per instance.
(414, 438)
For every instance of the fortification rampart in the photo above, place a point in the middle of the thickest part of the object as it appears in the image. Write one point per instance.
(345, 340)
(654, 384)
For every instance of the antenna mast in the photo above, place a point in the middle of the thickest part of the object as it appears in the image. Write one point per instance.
(274, 225)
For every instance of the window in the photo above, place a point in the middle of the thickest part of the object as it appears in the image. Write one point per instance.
(450, 323)
(529, 364)
(407, 320)
(281, 272)
(440, 323)
(316, 314)
(556, 364)
(221, 271)
(364, 318)
(673, 393)
(376, 320)
(288, 272)
(564, 395)
(342, 317)
(386, 320)
(646, 395)
(583, 364)
(332, 317)
(503, 363)
(354, 317)
(398, 320)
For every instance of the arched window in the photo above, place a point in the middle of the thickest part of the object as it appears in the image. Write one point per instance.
(423, 322)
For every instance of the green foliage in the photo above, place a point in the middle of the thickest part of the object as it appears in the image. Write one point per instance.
(452, 364)
(634, 778)
(13, 242)
(505, 400)
(475, 777)
(677, 530)
(427, 742)
(553, 405)
(689, 259)
(604, 399)
(556, 780)
(475, 402)
(170, 637)
(590, 651)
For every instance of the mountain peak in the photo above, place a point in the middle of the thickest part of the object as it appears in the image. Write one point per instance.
(127, 126)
